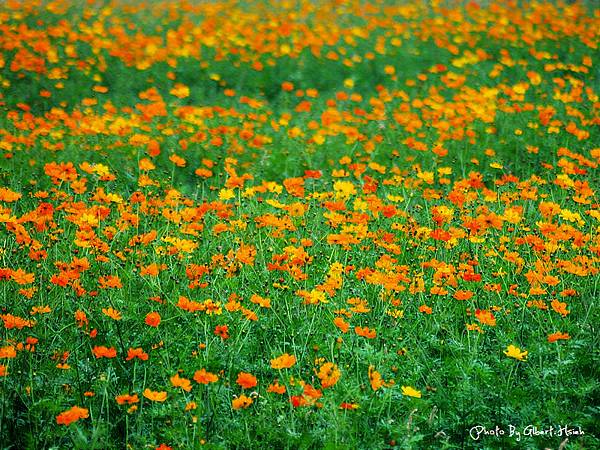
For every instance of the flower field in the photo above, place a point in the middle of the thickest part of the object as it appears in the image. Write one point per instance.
(298, 224)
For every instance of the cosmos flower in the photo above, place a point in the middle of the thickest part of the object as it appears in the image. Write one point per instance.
(241, 402)
(516, 353)
(72, 415)
(284, 361)
(246, 380)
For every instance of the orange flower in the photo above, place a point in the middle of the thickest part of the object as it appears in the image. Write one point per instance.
(112, 313)
(295, 187)
(204, 377)
(136, 353)
(246, 380)
(60, 171)
(183, 383)
(351, 406)
(191, 406)
(8, 352)
(72, 415)
(287, 86)
(222, 330)
(425, 309)
(560, 308)
(40, 310)
(126, 398)
(110, 281)
(177, 160)
(376, 380)
(329, 374)
(276, 388)
(260, 301)
(284, 361)
(8, 196)
(19, 276)
(486, 317)
(365, 332)
(146, 165)
(558, 336)
(100, 351)
(204, 173)
(246, 254)
(298, 400)
(155, 396)
(463, 295)
(473, 327)
(241, 402)
(11, 321)
(180, 90)
(152, 319)
(81, 318)
(438, 290)
(341, 324)
(151, 270)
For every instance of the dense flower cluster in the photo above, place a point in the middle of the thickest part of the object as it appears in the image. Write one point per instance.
(216, 207)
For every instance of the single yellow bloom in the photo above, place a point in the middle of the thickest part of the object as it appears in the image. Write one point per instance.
(226, 194)
(411, 392)
(515, 352)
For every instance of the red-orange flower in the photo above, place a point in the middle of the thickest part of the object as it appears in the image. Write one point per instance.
(136, 353)
(558, 336)
(246, 380)
(72, 415)
(222, 331)
(152, 319)
(486, 317)
(100, 351)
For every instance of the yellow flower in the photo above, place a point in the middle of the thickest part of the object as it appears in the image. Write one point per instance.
(515, 352)
(226, 194)
(411, 392)
(344, 189)
(180, 91)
